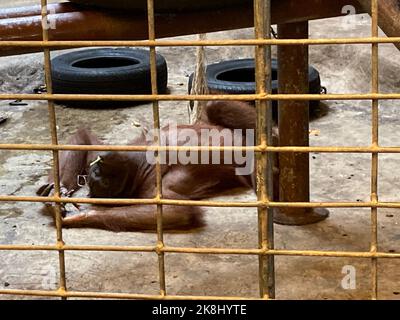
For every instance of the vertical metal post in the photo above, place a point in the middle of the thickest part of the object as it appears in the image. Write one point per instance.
(54, 140)
(375, 143)
(293, 122)
(262, 23)
(156, 121)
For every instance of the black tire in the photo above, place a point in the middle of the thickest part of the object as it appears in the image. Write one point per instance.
(106, 71)
(238, 77)
(165, 5)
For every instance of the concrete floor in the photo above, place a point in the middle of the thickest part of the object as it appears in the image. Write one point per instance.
(334, 177)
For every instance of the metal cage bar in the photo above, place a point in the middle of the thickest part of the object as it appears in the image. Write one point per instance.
(165, 97)
(375, 142)
(193, 43)
(54, 140)
(44, 147)
(156, 126)
(263, 149)
(205, 203)
(228, 251)
(262, 23)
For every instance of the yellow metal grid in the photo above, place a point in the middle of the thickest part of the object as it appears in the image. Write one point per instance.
(264, 149)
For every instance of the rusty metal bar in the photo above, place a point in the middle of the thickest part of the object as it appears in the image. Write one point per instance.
(375, 142)
(204, 203)
(46, 147)
(388, 15)
(111, 25)
(55, 44)
(223, 251)
(104, 295)
(233, 97)
(293, 122)
(54, 141)
(293, 118)
(156, 125)
(262, 22)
